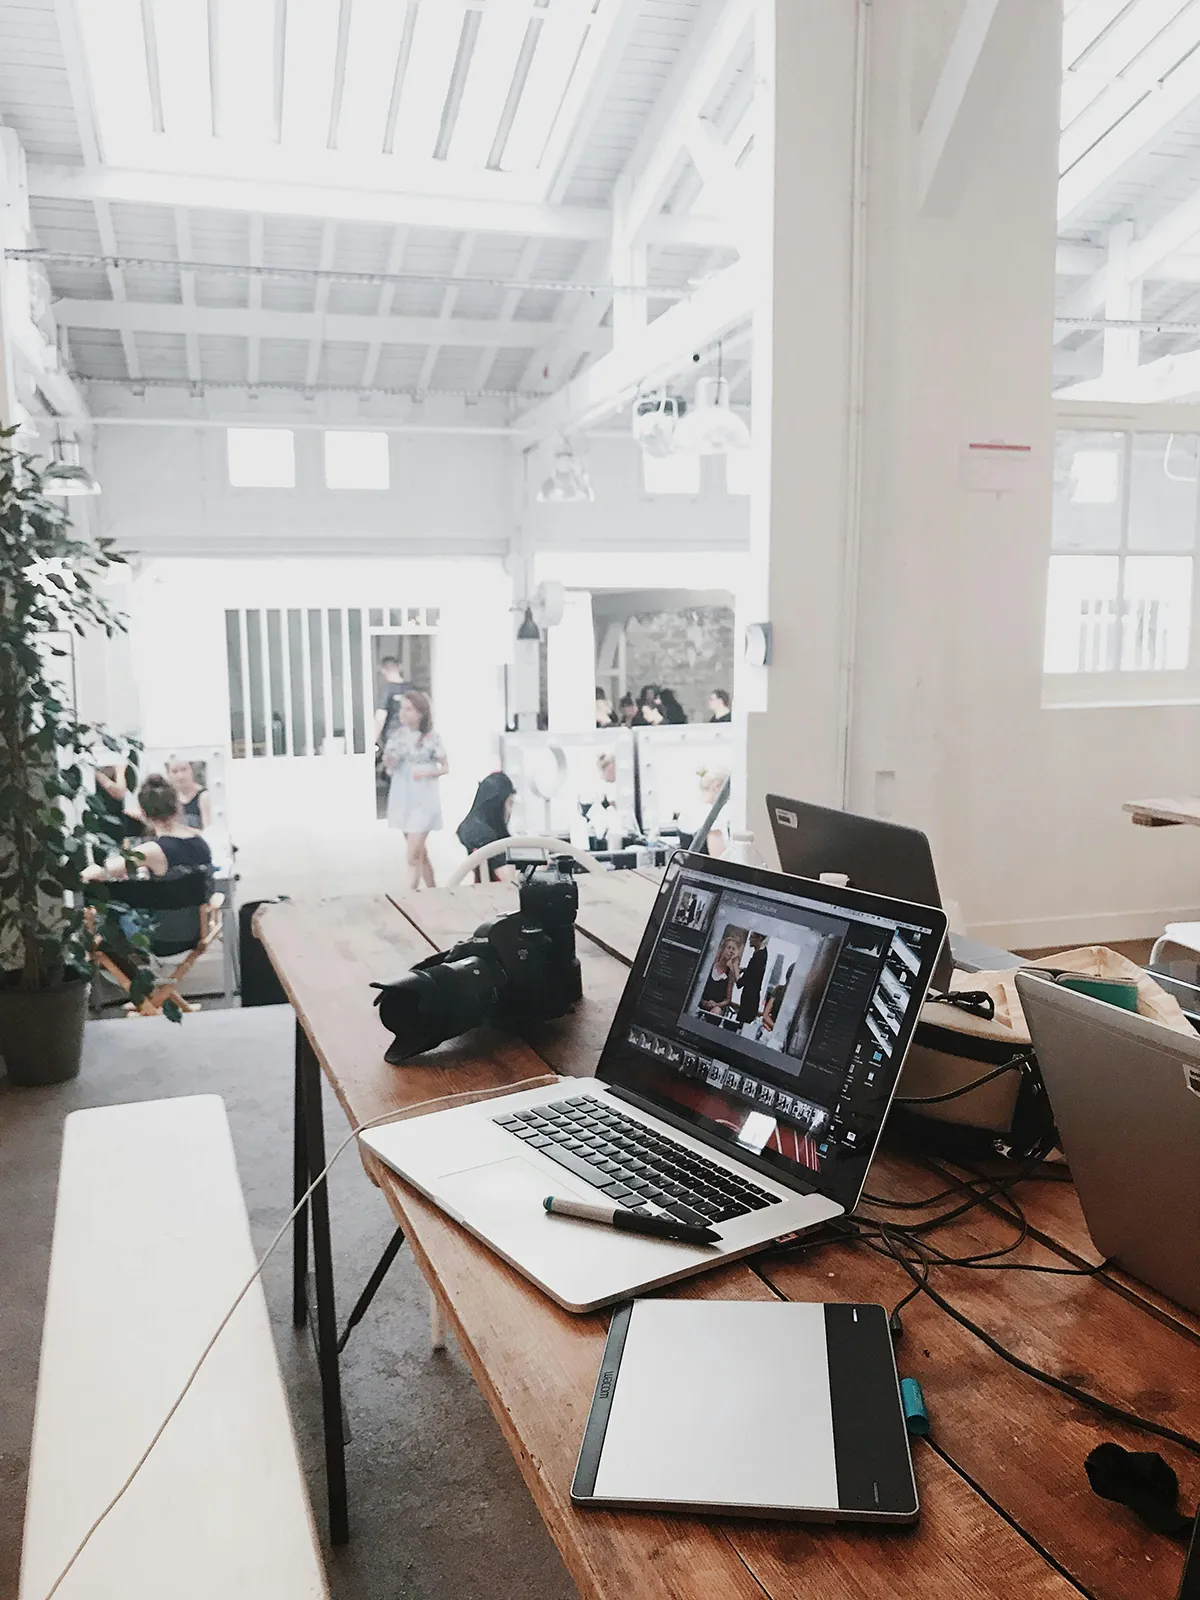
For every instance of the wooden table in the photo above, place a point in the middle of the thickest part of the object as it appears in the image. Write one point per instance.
(1164, 813)
(1007, 1510)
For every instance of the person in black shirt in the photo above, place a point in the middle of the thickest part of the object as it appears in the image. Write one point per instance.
(174, 848)
(392, 690)
(673, 712)
(488, 817)
(719, 705)
(753, 975)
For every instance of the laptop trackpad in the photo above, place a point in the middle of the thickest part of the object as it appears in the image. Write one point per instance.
(581, 1262)
(506, 1194)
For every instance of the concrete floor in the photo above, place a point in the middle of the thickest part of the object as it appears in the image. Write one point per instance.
(437, 1507)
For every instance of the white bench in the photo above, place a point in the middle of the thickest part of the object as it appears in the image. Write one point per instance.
(151, 1246)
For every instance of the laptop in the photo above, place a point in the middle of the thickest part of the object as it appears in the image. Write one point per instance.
(1125, 1093)
(883, 857)
(744, 1085)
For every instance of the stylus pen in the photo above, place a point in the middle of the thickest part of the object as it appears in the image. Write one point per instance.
(631, 1221)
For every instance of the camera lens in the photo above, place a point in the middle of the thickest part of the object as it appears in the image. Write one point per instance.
(425, 1008)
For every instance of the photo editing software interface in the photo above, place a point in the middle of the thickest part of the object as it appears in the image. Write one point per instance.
(776, 1021)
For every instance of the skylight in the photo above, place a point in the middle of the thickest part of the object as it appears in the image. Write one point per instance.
(254, 88)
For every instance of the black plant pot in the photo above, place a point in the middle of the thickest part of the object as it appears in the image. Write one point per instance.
(41, 1032)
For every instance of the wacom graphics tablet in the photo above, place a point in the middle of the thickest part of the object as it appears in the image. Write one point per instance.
(765, 1409)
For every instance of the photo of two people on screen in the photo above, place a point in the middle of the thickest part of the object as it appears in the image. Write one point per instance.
(763, 981)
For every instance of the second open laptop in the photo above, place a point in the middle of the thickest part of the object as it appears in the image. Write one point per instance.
(884, 857)
(744, 1085)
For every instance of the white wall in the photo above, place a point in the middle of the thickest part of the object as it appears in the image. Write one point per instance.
(167, 492)
(946, 592)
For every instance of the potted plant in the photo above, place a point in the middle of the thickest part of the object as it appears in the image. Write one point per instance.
(49, 818)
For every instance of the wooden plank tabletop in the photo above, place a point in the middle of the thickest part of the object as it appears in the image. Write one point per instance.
(1164, 813)
(1006, 1506)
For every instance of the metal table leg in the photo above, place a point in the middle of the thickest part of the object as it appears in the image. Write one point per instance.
(300, 1183)
(309, 1080)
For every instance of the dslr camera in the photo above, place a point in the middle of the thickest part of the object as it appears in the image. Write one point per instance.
(514, 970)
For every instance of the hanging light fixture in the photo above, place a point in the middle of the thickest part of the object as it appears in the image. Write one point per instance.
(569, 483)
(655, 418)
(65, 476)
(529, 630)
(711, 427)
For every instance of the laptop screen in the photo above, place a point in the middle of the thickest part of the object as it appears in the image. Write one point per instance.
(773, 1016)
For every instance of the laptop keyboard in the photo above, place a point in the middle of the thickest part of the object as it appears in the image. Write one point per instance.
(633, 1165)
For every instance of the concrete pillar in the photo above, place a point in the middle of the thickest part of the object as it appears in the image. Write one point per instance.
(910, 281)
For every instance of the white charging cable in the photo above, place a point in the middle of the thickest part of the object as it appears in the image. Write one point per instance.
(444, 1101)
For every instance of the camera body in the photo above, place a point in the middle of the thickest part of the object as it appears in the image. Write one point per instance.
(514, 970)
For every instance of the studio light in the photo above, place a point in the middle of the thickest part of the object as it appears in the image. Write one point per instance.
(64, 476)
(711, 428)
(568, 484)
(655, 419)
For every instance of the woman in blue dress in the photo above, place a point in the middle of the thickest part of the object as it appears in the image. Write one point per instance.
(415, 758)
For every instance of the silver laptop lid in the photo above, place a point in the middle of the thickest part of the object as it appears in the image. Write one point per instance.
(773, 1015)
(1125, 1093)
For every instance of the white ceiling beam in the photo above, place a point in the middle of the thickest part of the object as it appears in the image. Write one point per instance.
(667, 345)
(1126, 63)
(508, 307)
(1084, 24)
(1168, 378)
(1145, 124)
(943, 132)
(466, 248)
(77, 80)
(254, 291)
(655, 164)
(346, 204)
(1076, 260)
(602, 54)
(395, 260)
(338, 327)
(553, 360)
(1177, 229)
(116, 286)
(187, 289)
(320, 302)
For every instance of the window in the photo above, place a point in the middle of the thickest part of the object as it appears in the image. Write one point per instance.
(1120, 593)
(357, 461)
(673, 474)
(261, 458)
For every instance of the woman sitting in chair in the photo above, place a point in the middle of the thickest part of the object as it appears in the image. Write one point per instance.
(174, 848)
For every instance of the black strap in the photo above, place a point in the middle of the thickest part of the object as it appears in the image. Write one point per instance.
(1143, 1481)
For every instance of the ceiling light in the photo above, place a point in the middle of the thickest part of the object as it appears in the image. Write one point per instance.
(568, 484)
(528, 630)
(710, 427)
(64, 476)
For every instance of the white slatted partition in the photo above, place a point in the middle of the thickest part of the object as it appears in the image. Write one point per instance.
(313, 670)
